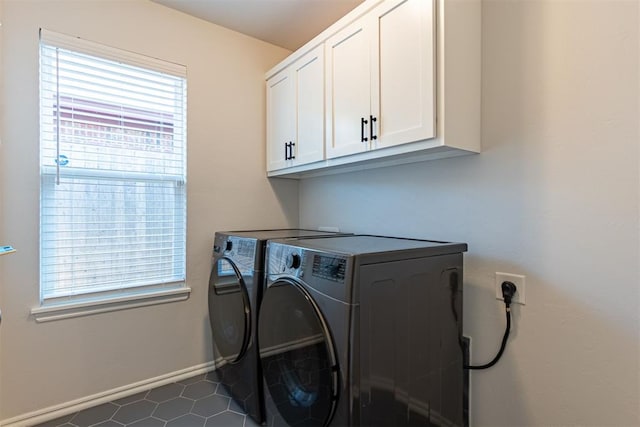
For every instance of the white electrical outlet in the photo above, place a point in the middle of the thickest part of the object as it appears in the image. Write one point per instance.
(516, 279)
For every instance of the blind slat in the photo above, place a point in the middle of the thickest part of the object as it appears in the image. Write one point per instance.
(115, 175)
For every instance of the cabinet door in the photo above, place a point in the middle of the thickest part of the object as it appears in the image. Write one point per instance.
(403, 81)
(281, 119)
(348, 90)
(309, 78)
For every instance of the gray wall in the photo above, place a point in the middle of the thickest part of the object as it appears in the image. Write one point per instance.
(553, 196)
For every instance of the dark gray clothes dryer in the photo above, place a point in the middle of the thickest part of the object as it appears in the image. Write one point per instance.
(362, 331)
(235, 288)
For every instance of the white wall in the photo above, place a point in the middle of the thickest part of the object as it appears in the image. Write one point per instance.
(2, 242)
(554, 196)
(51, 363)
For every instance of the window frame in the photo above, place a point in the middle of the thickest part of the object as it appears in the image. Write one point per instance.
(118, 297)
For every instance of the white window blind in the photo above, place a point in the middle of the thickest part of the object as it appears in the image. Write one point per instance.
(113, 171)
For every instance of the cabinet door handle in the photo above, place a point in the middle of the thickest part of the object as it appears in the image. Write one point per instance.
(371, 120)
(288, 150)
(363, 122)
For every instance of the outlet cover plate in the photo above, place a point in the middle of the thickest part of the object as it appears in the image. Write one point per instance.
(516, 279)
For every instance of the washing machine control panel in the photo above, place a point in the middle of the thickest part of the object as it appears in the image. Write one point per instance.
(282, 259)
(329, 267)
(293, 261)
(326, 272)
(300, 263)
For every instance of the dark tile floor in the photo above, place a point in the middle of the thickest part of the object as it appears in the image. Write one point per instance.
(195, 402)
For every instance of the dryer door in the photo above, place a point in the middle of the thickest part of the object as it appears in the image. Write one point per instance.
(229, 311)
(298, 357)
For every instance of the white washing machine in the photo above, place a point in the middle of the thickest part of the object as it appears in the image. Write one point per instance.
(362, 331)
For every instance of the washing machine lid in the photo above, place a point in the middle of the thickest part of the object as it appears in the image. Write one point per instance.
(368, 246)
(281, 233)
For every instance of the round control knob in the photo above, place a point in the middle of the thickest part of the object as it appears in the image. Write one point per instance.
(228, 245)
(293, 261)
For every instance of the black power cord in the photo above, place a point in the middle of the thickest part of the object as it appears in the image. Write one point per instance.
(508, 291)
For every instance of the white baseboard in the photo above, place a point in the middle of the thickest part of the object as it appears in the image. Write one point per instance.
(60, 410)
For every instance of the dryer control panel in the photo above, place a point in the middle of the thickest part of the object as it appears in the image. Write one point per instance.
(241, 250)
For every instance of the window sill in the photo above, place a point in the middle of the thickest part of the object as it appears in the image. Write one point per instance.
(59, 311)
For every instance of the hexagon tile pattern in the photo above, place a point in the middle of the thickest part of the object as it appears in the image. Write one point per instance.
(199, 401)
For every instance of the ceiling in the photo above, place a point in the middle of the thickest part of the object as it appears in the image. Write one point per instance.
(285, 23)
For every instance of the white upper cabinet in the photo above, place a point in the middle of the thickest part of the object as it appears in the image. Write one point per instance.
(380, 79)
(295, 113)
(281, 118)
(309, 81)
(348, 89)
(403, 80)
(400, 81)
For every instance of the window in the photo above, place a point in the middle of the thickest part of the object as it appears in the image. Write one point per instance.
(113, 174)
